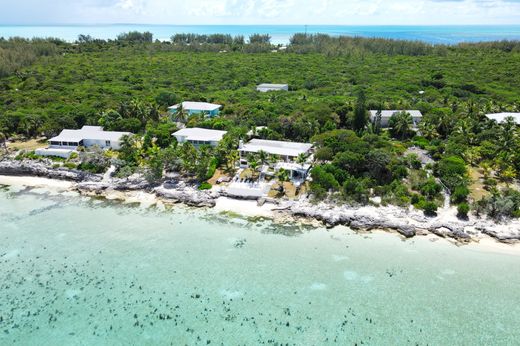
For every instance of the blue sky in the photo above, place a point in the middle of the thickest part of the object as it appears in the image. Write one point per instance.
(348, 12)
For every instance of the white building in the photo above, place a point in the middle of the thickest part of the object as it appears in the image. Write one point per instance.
(501, 117)
(387, 114)
(272, 87)
(69, 140)
(286, 152)
(198, 136)
(192, 108)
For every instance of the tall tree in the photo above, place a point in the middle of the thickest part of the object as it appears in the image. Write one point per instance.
(360, 112)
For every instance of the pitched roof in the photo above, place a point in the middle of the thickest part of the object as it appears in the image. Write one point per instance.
(501, 117)
(199, 134)
(390, 113)
(276, 147)
(88, 132)
(197, 106)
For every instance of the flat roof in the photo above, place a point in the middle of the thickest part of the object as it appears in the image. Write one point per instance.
(197, 106)
(501, 117)
(268, 85)
(276, 147)
(199, 134)
(390, 113)
(88, 132)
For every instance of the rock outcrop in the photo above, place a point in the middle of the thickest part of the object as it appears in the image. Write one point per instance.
(406, 222)
(178, 192)
(40, 169)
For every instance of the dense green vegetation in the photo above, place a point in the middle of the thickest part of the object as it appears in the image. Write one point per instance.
(127, 84)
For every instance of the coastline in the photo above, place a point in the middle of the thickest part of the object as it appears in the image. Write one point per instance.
(363, 220)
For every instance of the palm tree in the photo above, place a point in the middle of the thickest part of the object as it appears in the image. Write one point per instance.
(263, 157)
(253, 163)
(188, 155)
(401, 124)
(181, 115)
(301, 159)
(377, 122)
(231, 158)
(282, 176)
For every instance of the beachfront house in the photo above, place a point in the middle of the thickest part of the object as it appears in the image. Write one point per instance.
(193, 108)
(286, 154)
(387, 114)
(198, 136)
(68, 141)
(272, 87)
(501, 117)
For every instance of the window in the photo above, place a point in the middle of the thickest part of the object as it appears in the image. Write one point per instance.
(107, 143)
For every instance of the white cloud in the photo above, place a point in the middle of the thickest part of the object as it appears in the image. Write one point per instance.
(264, 11)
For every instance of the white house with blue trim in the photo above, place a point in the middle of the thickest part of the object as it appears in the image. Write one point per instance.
(192, 108)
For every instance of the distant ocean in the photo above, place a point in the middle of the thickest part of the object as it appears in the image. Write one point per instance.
(280, 33)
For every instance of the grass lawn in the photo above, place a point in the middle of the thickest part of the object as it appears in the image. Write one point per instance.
(32, 144)
(477, 185)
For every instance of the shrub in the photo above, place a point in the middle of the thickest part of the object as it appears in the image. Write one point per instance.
(205, 186)
(460, 194)
(416, 199)
(463, 210)
(212, 168)
(413, 161)
(73, 155)
(356, 189)
(452, 171)
(430, 189)
(322, 180)
(69, 165)
(430, 208)
(420, 142)
(500, 205)
(400, 172)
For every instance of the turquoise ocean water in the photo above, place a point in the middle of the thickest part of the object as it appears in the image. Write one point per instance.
(81, 271)
(279, 33)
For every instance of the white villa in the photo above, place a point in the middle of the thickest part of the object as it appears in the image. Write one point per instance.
(287, 152)
(387, 114)
(192, 108)
(198, 136)
(272, 87)
(501, 117)
(68, 141)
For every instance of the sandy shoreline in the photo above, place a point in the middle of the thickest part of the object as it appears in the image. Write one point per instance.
(35, 182)
(242, 208)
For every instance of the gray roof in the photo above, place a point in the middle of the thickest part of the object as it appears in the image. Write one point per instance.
(276, 147)
(89, 132)
(501, 117)
(275, 86)
(390, 113)
(199, 134)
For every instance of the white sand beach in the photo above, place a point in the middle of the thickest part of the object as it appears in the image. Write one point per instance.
(245, 208)
(35, 182)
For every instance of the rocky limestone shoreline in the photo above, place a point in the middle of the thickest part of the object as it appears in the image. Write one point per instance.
(407, 222)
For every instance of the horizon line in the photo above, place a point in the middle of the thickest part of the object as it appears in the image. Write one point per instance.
(266, 25)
